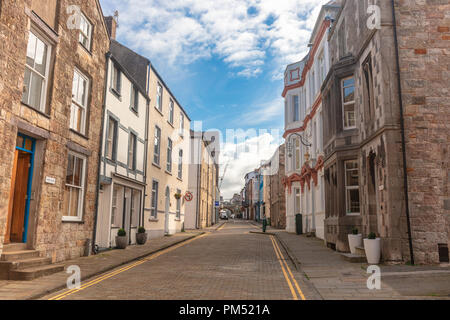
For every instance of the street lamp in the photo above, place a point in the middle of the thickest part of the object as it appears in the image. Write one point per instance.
(302, 140)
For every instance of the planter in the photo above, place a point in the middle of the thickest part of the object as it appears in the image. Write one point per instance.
(141, 238)
(121, 242)
(373, 250)
(354, 240)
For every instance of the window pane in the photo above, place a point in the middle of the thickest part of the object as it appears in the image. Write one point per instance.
(27, 84)
(31, 49)
(77, 172)
(70, 169)
(66, 201)
(349, 82)
(19, 142)
(349, 94)
(353, 201)
(41, 57)
(28, 145)
(349, 114)
(36, 91)
(352, 178)
(74, 201)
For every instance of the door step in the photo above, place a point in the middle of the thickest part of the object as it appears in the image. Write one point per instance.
(14, 247)
(354, 258)
(19, 255)
(31, 273)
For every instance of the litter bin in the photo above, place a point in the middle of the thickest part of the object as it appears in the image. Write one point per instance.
(298, 223)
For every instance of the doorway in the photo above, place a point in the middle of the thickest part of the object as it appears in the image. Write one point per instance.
(167, 208)
(20, 192)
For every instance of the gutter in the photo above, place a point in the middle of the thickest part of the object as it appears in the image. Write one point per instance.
(108, 54)
(402, 129)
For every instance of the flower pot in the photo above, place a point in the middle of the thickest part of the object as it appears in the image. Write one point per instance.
(373, 250)
(141, 238)
(354, 240)
(121, 242)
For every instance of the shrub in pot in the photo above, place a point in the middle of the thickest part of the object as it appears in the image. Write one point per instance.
(354, 240)
(121, 239)
(141, 236)
(372, 246)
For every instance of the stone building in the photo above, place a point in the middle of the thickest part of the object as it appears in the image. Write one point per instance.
(203, 173)
(364, 114)
(52, 62)
(277, 195)
(124, 147)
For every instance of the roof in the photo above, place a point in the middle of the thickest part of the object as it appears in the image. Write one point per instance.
(135, 64)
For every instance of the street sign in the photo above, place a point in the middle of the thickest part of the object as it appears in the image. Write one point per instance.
(217, 204)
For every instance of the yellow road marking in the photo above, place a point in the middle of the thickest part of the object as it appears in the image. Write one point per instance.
(294, 295)
(221, 227)
(290, 272)
(123, 269)
(283, 262)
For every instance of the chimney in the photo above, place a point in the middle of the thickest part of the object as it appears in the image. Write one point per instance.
(111, 25)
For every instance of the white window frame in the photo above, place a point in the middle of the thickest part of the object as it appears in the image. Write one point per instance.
(159, 97)
(79, 216)
(83, 105)
(180, 164)
(154, 200)
(348, 103)
(171, 111)
(169, 155)
(114, 204)
(157, 143)
(88, 36)
(347, 187)
(44, 89)
(181, 125)
(178, 209)
(116, 80)
(132, 150)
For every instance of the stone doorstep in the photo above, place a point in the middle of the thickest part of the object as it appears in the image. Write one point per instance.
(19, 255)
(353, 258)
(32, 273)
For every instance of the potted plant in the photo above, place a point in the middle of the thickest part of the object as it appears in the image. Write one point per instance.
(177, 196)
(354, 240)
(141, 236)
(372, 246)
(121, 239)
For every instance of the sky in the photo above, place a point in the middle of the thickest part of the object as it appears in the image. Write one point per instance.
(224, 61)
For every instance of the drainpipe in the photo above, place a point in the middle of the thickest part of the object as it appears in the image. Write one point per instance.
(199, 167)
(100, 152)
(402, 126)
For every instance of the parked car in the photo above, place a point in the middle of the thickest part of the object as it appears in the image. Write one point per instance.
(223, 215)
(232, 216)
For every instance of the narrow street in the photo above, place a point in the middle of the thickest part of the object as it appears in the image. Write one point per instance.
(229, 263)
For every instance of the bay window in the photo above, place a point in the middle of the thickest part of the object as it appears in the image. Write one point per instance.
(351, 187)
(348, 102)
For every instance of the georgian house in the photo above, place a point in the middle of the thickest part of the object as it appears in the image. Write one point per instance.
(304, 179)
(52, 60)
(385, 135)
(124, 146)
(167, 161)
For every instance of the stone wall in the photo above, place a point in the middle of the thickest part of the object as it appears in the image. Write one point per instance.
(424, 49)
(54, 238)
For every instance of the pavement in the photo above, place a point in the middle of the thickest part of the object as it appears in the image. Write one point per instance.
(335, 278)
(90, 267)
(229, 263)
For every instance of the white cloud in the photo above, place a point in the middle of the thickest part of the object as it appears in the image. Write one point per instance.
(180, 32)
(245, 156)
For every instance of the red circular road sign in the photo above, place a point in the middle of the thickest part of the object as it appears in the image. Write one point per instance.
(188, 196)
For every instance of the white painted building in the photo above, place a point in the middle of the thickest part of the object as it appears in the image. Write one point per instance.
(304, 179)
(124, 152)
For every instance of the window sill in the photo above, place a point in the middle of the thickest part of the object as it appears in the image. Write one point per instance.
(168, 172)
(134, 111)
(180, 179)
(79, 134)
(171, 124)
(86, 49)
(159, 111)
(178, 219)
(72, 221)
(153, 219)
(156, 165)
(38, 111)
(115, 93)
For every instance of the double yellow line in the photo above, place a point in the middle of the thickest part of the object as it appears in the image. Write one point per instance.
(123, 269)
(290, 279)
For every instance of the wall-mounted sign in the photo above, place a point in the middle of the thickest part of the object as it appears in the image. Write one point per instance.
(50, 180)
(188, 196)
(217, 204)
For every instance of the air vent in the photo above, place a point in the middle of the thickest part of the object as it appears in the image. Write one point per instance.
(443, 252)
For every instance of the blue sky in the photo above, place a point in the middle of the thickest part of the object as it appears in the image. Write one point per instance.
(224, 62)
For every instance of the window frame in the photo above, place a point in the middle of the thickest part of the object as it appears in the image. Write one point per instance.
(132, 141)
(87, 36)
(157, 152)
(154, 200)
(114, 139)
(159, 97)
(295, 108)
(46, 77)
(116, 79)
(169, 155)
(181, 129)
(347, 188)
(344, 104)
(171, 111)
(134, 99)
(82, 188)
(83, 127)
(180, 164)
